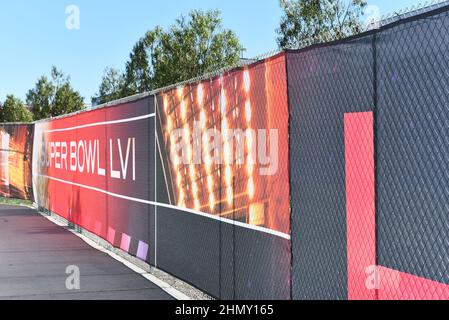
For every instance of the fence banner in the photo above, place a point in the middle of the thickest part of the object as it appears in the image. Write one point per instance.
(369, 156)
(319, 173)
(94, 169)
(223, 146)
(15, 161)
(324, 84)
(413, 156)
(221, 224)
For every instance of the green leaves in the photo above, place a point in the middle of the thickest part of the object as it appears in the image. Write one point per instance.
(194, 45)
(138, 72)
(310, 21)
(111, 86)
(66, 100)
(39, 98)
(55, 97)
(13, 110)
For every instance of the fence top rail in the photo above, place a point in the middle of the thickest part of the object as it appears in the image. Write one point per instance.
(413, 11)
(390, 20)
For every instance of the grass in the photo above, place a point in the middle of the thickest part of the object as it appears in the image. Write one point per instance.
(15, 202)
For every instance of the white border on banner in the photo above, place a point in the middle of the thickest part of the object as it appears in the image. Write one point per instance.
(158, 204)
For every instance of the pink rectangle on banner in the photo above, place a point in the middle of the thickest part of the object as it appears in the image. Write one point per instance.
(125, 243)
(111, 235)
(142, 251)
(396, 285)
(360, 204)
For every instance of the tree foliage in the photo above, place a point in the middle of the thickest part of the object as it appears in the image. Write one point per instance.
(194, 45)
(137, 76)
(54, 97)
(13, 110)
(111, 86)
(308, 21)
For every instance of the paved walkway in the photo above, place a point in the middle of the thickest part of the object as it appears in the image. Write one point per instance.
(34, 255)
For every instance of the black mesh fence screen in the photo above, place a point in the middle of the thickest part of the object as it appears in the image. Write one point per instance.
(223, 222)
(413, 147)
(324, 84)
(369, 163)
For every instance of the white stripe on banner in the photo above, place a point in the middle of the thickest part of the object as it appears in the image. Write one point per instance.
(158, 204)
(146, 116)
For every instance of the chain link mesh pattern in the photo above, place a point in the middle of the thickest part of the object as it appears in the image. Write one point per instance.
(401, 250)
(243, 210)
(324, 84)
(413, 148)
(364, 157)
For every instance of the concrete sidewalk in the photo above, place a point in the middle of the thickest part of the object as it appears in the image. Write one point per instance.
(34, 255)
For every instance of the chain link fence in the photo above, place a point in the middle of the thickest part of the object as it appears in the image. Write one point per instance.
(319, 173)
(369, 155)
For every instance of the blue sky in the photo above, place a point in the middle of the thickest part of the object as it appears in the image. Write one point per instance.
(34, 36)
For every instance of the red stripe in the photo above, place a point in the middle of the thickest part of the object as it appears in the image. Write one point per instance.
(366, 280)
(395, 285)
(360, 205)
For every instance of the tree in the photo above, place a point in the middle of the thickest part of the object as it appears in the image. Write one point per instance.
(66, 100)
(192, 46)
(309, 21)
(13, 110)
(40, 98)
(138, 75)
(111, 86)
(54, 97)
